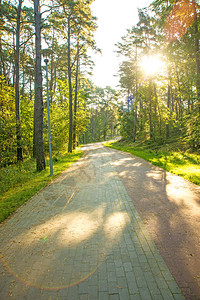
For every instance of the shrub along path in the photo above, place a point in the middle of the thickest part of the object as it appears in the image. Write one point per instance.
(82, 238)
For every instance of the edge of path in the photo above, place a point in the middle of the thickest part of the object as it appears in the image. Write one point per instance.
(179, 244)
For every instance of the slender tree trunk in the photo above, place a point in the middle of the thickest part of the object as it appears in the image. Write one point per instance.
(135, 123)
(168, 102)
(141, 120)
(70, 88)
(179, 97)
(95, 122)
(92, 126)
(135, 114)
(52, 70)
(197, 57)
(52, 86)
(51, 80)
(13, 62)
(160, 121)
(76, 98)
(172, 99)
(17, 93)
(2, 65)
(150, 110)
(30, 82)
(38, 105)
(168, 106)
(23, 81)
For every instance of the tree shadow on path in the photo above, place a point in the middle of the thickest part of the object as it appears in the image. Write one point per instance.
(169, 207)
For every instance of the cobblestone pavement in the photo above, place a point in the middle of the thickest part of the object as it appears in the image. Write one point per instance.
(82, 238)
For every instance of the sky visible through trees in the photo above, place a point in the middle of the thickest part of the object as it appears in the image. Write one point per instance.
(114, 17)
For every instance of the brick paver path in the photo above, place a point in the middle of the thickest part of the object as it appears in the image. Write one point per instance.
(81, 238)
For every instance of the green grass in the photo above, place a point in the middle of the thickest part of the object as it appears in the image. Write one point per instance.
(18, 183)
(178, 162)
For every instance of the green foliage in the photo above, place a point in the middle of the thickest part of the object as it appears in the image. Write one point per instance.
(20, 182)
(27, 111)
(127, 125)
(59, 127)
(82, 113)
(7, 123)
(193, 125)
(181, 163)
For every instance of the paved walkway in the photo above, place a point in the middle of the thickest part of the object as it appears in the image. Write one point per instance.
(81, 238)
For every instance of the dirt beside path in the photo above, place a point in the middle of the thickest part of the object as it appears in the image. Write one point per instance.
(170, 208)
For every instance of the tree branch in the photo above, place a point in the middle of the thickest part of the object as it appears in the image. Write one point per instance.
(50, 9)
(27, 40)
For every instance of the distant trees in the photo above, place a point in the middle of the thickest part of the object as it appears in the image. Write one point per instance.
(102, 114)
(167, 102)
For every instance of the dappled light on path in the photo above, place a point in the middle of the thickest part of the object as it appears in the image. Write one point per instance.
(52, 242)
(114, 224)
(170, 208)
(70, 227)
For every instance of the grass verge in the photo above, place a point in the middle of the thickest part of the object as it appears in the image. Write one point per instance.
(20, 182)
(178, 162)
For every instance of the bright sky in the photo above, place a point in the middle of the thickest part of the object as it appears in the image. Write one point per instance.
(114, 17)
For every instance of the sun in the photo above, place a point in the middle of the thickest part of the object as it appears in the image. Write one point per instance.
(152, 65)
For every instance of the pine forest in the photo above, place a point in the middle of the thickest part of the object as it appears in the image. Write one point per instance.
(158, 97)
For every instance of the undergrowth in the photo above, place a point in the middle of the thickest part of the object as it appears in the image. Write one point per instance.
(20, 182)
(171, 157)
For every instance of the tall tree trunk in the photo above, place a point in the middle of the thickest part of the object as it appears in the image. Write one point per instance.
(141, 119)
(23, 68)
(38, 105)
(94, 128)
(168, 106)
(52, 69)
(135, 122)
(150, 109)
(13, 62)
(179, 97)
(30, 82)
(136, 90)
(136, 96)
(76, 98)
(17, 94)
(197, 57)
(51, 79)
(70, 88)
(2, 65)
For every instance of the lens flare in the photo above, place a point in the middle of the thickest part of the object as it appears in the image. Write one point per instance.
(180, 19)
(65, 250)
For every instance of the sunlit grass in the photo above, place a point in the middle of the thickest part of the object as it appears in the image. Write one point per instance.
(18, 183)
(183, 164)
